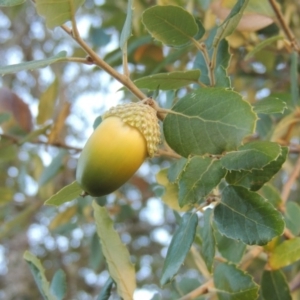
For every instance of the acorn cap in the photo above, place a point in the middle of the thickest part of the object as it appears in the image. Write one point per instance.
(141, 116)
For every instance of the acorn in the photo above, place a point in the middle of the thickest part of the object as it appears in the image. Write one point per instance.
(127, 135)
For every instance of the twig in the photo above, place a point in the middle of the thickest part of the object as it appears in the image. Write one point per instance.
(163, 152)
(126, 81)
(201, 290)
(248, 257)
(284, 26)
(288, 185)
(17, 142)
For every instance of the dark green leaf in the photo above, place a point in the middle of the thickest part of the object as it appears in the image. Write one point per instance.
(291, 217)
(35, 64)
(208, 239)
(255, 179)
(198, 178)
(67, 193)
(126, 31)
(270, 105)
(58, 285)
(234, 284)
(106, 290)
(274, 286)
(179, 247)
(264, 126)
(99, 37)
(171, 25)
(231, 22)
(246, 216)
(176, 169)
(252, 156)
(272, 194)
(285, 254)
(232, 250)
(168, 81)
(96, 255)
(208, 120)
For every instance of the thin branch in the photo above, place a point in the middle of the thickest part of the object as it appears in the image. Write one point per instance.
(17, 142)
(164, 152)
(286, 190)
(126, 81)
(201, 290)
(248, 257)
(125, 61)
(284, 26)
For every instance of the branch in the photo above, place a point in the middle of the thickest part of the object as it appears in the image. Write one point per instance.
(284, 26)
(286, 190)
(201, 290)
(126, 81)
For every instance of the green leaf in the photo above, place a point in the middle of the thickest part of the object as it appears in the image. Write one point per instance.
(106, 290)
(34, 134)
(176, 169)
(252, 156)
(57, 13)
(274, 286)
(126, 31)
(96, 255)
(58, 285)
(264, 126)
(55, 166)
(294, 78)
(116, 254)
(285, 254)
(11, 2)
(67, 193)
(35, 64)
(208, 120)
(246, 216)
(234, 284)
(38, 273)
(272, 194)
(199, 177)
(47, 103)
(4, 117)
(255, 179)
(231, 22)
(171, 25)
(208, 239)
(270, 105)
(232, 250)
(263, 45)
(168, 81)
(179, 247)
(291, 217)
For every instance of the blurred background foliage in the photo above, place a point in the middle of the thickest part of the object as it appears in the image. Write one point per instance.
(60, 103)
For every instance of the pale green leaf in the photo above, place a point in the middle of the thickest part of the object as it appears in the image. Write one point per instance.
(67, 193)
(232, 283)
(38, 273)
(246, 216)
(47, 103)
(168, 81)
(285, 254)
(116, 254)
(274, 286)
(171, 25)
(58, 285)
(126, 31)
(270, 105)
(179, 247)
(251, 156)
(34, 134)
(208, 120)
(57, 12)
(199, 177)
(294, 78)
(35, 64)
(11, 2)
(255, 179)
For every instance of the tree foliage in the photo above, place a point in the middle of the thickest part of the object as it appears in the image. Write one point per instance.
(215, 213)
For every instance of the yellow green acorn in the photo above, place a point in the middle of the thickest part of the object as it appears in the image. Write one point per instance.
(127, 135)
